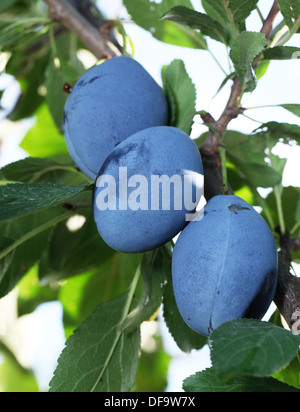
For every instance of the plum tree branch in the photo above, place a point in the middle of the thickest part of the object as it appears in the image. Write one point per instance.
(209, 151)
(63, 12)
(268, 23)
(287, 297)
(91, 13)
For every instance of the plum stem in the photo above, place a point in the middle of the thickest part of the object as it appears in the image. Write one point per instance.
(279, 209)
(269, 21)
(222, 152)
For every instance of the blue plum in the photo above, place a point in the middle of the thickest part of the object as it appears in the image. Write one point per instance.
(224, 266)
(109, 103)
(147, 188)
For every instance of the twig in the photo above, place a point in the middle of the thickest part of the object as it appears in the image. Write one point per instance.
(268, 23)
(66, 14)
(295, 244)
(91, 13)
(209, 151)
(287, 296)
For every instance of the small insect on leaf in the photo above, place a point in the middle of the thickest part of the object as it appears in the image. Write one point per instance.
(67, 88)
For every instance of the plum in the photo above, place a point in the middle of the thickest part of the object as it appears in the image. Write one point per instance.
(224, 266)
(109, 103)
(147, 188)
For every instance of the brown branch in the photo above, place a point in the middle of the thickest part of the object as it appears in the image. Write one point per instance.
(91, 13)
(294, 244)
(66, 14)
(209, 151)
(287, 296)
(230, 112)
(268, 23)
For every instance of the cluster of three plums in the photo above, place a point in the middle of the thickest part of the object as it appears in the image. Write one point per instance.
(224, 264)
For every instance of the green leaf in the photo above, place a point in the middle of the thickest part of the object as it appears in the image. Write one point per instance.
(43, 139)
(154, 280)
(208, 381)
(281, 53)
(232, 13)
(217, 10)
(74, 251)
(230, 76)
(28, 28)
(31, 293)
(283, 131)
(290, 374)
(183, 335)
(181, 94)
(34, 169)
(21, 199)
(252, 347)
(244, 49)
(99, 356)
(80, 294)
(247, 153)
(262, 68)
(290, 206)
(27, 247)
(147, 15)
(220, 9)
(14, 377)
(196, 20)
(293, 108)
(290, 10)
(6, 261)
(241, 9)
(59, 72)
(152, 374)
(31, 79)
(5, 4)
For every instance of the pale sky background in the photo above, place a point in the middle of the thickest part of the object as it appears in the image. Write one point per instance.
(280, 85)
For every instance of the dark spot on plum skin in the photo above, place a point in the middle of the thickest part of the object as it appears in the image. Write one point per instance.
(84, 82)
(65, 117)
(206, 212)
(93, 79)
(115, 156)
(236, 208)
